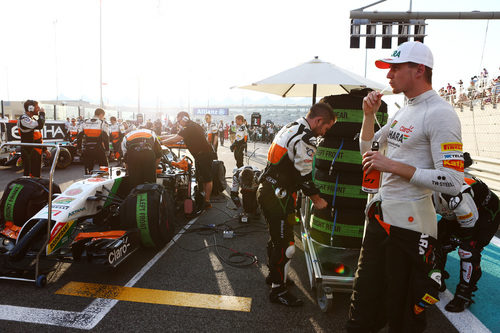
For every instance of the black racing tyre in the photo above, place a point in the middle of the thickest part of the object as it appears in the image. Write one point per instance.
(347, 190)
(65, 158)
(150, 209)
(349, 178)
(339, 154)
(349, 227)
(348, 108)
(23, 198)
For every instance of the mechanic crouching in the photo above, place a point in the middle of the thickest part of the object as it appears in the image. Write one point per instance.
(29, 130)
(142, 153)
(247, 178)
(95, 139)
(469, 221)
(289, 168)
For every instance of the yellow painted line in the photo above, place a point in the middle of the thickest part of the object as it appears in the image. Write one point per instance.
(154, 296)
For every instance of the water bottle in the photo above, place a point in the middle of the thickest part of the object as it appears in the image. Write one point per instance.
(371, 180)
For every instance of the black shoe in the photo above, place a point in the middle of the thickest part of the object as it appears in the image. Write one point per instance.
(458, 304)
(281, 295)
(289, 282)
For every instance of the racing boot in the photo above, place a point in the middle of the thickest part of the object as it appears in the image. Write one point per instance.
(462, 299)
(283, 296)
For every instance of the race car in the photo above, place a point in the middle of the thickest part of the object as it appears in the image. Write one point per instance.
(99, 220)
(67, 155)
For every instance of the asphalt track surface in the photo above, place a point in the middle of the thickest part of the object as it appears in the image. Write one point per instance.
(177, 269)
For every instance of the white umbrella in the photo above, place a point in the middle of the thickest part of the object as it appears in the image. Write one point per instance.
(313, 78)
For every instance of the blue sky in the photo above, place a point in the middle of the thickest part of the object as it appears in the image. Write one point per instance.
(192, 52)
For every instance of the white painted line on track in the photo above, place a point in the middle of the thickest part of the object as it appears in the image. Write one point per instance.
(463, 321)
(92, 314)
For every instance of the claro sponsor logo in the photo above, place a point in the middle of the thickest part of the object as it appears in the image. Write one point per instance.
(119, 253)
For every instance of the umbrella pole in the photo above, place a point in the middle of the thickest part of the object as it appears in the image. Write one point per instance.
(315, 87)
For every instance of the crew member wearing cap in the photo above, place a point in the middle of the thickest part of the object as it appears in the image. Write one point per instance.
(29, 130)
(195, 140)
(398, 273)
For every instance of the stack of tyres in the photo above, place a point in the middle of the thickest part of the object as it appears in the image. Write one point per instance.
(338, 175)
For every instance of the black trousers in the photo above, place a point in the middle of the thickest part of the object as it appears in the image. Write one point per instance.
(32, 161)
(238, 154)
(92, 156)
(384, 289)
(280, 231)
(141, 167)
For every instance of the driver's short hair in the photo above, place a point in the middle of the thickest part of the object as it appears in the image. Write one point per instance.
(99, 111)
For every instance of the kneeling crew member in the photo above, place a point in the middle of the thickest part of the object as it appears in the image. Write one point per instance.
(470, 220)
(94, 134)
(246, 177)
(289, 168)
(142, 153)
(29, 130)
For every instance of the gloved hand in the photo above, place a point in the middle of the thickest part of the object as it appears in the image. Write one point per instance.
(232, 147)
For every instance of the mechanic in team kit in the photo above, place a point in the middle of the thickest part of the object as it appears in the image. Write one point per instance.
(30, 131)
(116, 133)
(212, 132)
(72, 130)
(195, 140)
(398, 274)
(469, 221)
(95, 139)
(289, 168)
(240, 141)
(142, 153)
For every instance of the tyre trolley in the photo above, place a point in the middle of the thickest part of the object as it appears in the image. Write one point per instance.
(40, 279)
(330, 269)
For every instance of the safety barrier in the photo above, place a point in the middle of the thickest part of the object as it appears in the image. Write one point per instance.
(486, 169)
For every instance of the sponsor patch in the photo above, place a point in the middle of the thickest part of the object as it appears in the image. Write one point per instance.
(452, 156)
(451, 146)
(96, 180)
(74, 191)
(464, 217)
(63, 200)
(394, 123)
(429, 299)
(417, 309)
(457, 165)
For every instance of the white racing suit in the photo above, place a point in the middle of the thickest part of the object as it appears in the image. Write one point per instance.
(425, 134)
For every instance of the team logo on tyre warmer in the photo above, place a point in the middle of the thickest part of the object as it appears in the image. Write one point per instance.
(119, 253)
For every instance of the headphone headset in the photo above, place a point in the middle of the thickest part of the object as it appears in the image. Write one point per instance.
(31, 108)
(185, 118)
